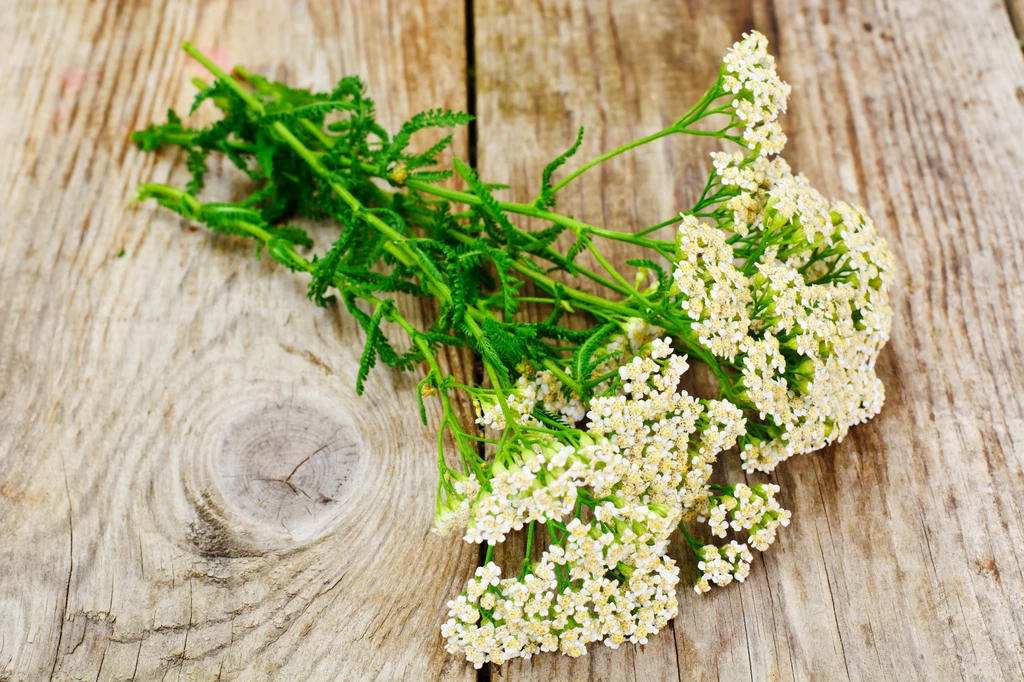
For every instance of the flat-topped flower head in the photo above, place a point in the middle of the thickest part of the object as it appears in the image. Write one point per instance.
(599, 585)
(640, 468)
(793, 292)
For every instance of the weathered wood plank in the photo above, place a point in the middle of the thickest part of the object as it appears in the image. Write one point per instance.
(157, 411)
(903, 561)
(190, 487)
(910, 108)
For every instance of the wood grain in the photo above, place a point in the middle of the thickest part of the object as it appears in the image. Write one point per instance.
(904, 558)
(190, 487)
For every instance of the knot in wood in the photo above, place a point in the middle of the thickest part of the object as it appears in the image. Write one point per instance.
(276, 479)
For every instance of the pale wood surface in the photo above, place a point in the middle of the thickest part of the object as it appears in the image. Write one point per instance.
(191, 488)
(158, 513)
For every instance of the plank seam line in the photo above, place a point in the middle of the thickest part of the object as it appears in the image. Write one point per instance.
(485, 673)
(1014, 19)
(71, 568)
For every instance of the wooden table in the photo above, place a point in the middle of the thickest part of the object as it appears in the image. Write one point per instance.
(190, 489)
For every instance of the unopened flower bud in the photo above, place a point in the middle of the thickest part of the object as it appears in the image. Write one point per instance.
(399, 176)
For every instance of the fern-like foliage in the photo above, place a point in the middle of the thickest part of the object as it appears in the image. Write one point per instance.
(664, 281)
(156, 135)
(432, 118)
(324, 270)
(476, 258)
(196, 165)
(431, 176)
(547, 197)
(584, 361)
(489, 207)
(578, 247)
(428, 157)
(376, 343)
(215, 91)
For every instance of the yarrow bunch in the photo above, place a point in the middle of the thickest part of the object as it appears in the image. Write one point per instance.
(584, 440)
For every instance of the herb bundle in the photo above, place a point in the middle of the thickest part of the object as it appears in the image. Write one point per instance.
(782, 294)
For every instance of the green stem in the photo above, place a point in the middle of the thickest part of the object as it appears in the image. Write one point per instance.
(562, 376)
(186, 137)
(223, 76)
(529, 549)
(615, 274)
(654, 228)
(589, 301)
(533, 212)
(607, 155)
(695, 546)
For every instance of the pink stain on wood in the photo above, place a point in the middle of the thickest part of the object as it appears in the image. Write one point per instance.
(219, 56)
(72, 81)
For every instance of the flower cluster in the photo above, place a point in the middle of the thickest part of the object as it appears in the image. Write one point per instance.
(793, 292)
(607, 581)
(759, 95)
(538, 484)
(753, 509)
(722, 565)
(611, 497)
